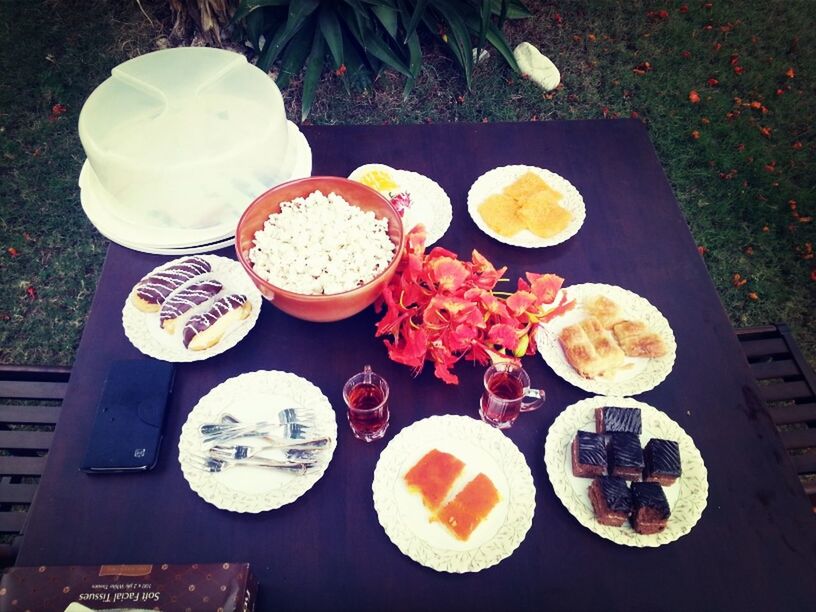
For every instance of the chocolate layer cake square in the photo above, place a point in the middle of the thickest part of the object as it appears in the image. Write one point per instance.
(662, 459)
(611, 500)
(650, 508)
(611, 419)
(625, 456)
(588, 455)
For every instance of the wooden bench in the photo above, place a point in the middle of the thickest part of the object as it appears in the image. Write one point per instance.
(30, 403)
(788, 386)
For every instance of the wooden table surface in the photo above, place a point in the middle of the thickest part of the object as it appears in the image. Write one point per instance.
(753, 548)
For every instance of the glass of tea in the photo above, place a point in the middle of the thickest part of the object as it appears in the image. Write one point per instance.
(366, 395)
(507, 394)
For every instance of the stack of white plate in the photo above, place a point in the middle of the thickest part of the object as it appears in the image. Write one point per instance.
(179, 143)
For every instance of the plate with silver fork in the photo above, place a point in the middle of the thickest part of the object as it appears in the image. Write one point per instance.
(258, 441)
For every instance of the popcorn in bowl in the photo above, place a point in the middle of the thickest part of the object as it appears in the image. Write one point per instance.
(321, 245)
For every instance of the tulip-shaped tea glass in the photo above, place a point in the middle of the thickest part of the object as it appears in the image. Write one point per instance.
(507, 394)
(366, 395)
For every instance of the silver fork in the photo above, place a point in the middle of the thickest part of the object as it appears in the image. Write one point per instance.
(220, 432)
(239, 452)
(214, 464)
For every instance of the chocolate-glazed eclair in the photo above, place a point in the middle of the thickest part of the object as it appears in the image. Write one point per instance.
(650, 508)
(625, 456)
(662, 461)
(207, 328)
(612, 419)
(150, 293)
(184, 300)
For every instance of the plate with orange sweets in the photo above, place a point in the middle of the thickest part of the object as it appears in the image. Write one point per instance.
(526, 206)
(454, 494)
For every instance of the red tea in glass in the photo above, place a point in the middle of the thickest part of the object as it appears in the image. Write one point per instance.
(506, 387)
(366, 395)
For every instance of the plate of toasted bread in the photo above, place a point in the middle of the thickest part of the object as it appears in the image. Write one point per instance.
(614, 342)
(191, 308)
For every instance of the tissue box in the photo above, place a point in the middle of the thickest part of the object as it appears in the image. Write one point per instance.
(230, 587)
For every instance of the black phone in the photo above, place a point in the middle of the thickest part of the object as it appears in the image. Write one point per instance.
(127, 432)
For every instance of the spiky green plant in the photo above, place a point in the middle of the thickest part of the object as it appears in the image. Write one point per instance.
(362, 37)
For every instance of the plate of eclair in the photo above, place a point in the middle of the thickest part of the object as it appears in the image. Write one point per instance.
(191, 308)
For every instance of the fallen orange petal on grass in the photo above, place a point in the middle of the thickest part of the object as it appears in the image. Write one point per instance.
(753, 295)
(694, 97)
(12, 251)
(797, 145)
(695, 134)
(765, 131)
(790, 73)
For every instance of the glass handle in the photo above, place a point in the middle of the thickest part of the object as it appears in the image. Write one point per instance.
(536, 399)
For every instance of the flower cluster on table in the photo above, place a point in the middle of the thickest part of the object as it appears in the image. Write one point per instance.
(441, 309)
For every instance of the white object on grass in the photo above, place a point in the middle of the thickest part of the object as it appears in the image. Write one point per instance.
(538, 67)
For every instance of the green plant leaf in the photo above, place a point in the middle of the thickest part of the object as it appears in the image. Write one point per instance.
(332, 32)
(484, 15)
(245, 7)
(299, 11)
(294, 55)
(314, 68)
(416, 16)
(515, 9)
(414, 65)
(496, 38)
(458, 37)
(388, 17)
(372, 46)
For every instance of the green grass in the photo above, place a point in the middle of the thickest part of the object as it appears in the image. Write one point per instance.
(736, 209)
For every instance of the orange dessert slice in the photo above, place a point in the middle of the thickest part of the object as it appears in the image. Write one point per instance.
(433, 476)
(543, 216)
(500, 212)
(528, 184)
(470, 507)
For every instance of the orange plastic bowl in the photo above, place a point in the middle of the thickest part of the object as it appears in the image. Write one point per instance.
(321, 308)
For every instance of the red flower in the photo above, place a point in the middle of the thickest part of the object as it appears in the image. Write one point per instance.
(441, 309)
(685, 54)
(57, 111)
(695, 134)
(683, 9)
(790, 73)
(694, 97)
(712, 82)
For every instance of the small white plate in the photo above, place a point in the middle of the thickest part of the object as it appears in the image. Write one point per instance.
(430, 204)
(638, 374)
(483, 449)
(687, 497)
(253, 397)
(146, 334)
(495, 180)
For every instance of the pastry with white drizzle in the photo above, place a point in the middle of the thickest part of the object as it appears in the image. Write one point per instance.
(151, 292)
(207, 328)
(184, 300)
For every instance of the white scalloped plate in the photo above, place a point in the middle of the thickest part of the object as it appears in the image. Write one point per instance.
(430, 204)
(495, 180)
(687, 497)
(252, 397)
(145, 333)
(483, 449)
(639, 374)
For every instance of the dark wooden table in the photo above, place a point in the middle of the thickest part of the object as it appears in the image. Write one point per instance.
(754, 547)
